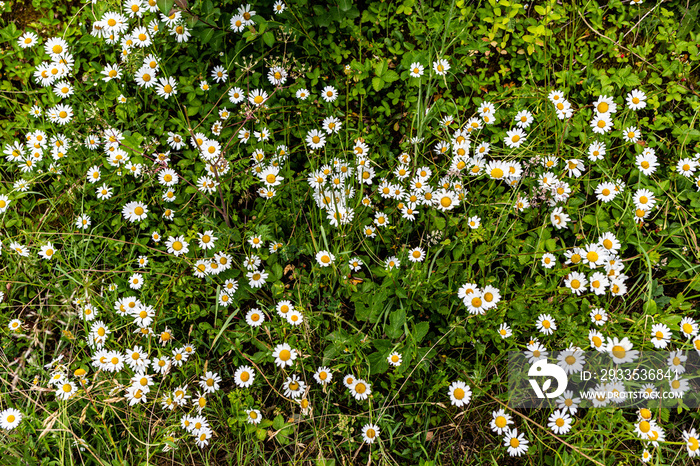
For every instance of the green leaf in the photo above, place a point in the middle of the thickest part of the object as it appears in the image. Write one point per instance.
(381, 68)
(206, 35)
(689, 21)
(420, 331)
(382, 345)
(276, 272)
(10, 32)
(344, 5)
(396, 321)
(165, 6)
(650, 307)
(377, 363)
(269, 38)
(590, 219)
(377, 84)
(390, 76)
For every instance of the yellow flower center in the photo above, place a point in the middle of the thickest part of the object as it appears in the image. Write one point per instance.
(603, 107)
(618, 351)
(693, 444)
(476, 302)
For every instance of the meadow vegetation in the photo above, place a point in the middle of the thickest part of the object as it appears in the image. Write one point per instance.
(310, 233)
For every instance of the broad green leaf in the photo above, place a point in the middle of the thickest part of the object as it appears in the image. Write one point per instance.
(165, 6)
(397, 319)
(344, 5)
(269, 38)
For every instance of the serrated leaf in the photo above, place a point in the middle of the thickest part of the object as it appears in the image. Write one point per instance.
(390, 76)
(377, 84)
